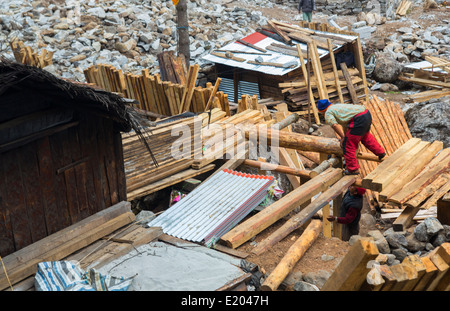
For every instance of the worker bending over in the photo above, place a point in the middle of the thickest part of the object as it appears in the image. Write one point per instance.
(352, 124)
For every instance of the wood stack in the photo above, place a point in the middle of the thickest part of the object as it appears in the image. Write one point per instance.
(25, 55)
(141, 173)
(415, 176)
(155, 95)
(326, 82)
(403, 7)
(436, 80)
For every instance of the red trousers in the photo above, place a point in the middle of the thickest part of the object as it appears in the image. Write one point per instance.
(359, 131)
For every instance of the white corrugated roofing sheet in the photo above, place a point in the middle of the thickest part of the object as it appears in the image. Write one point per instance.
(214, 207)
(274, 57)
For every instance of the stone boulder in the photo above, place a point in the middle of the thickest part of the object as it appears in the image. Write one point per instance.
(387, 69)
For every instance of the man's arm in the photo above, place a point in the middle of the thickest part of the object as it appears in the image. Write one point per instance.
(339, 130)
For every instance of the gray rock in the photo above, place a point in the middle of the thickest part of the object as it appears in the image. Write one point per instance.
(380, 241)
(326, 257)
(427, 229)
(415, 245)
(367, 220)
(400, 253)
(396, 240)
(305, 287)
(387, 69)
(353, 239)
(293, 278)
(317, 278)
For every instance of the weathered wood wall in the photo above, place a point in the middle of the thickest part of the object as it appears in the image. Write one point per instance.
(57, 180)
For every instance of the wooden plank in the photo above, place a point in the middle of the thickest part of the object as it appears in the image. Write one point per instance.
(335, 72)
(384, 166)
(306, 75)
(350, 274)
(442, 269)
(381, 181)
(436, 167)
(350, 87)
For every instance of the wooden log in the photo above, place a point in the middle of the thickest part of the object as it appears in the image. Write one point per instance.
(306, 142)
(332, 162)
(293, 255)
(351, 273)
(277, 168)
(305, 214)
(280, 32)
(292, 118)
(268, 216)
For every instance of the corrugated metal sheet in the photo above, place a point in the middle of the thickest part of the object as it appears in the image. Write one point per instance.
(214, 207)
(244, 87)
(275, 57)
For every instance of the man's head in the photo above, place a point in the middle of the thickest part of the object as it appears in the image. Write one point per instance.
(356, 190)
(322, 105)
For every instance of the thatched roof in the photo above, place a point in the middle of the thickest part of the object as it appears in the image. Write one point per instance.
(36, 84)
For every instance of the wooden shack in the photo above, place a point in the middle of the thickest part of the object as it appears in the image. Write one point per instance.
(61, 154)
(273, 76)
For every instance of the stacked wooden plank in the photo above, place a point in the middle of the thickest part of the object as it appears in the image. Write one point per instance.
(25, 55)
(141, 173)
(325, 82)
(155, 95)
(403, 7)
(434, 77)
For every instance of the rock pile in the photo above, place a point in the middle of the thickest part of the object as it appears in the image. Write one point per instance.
(127, 34)
(418, 240)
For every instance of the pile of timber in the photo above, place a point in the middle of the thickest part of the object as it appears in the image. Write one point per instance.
(141, 172)
(92, 242)
(403, 7)
(25, 55)
(414, 273)
(155, 95)
(414, 177)
(434, 77)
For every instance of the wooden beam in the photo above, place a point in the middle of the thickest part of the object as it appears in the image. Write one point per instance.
(350, 87)
(271, 214)
(335, 72)
(305, 214)
(351, 273)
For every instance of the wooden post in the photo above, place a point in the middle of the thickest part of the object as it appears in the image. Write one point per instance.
(293, 255)
(335, 72)
(183, 31)
(351, 273)
(350, 87)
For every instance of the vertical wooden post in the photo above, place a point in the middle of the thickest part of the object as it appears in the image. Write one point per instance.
(183, 31)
